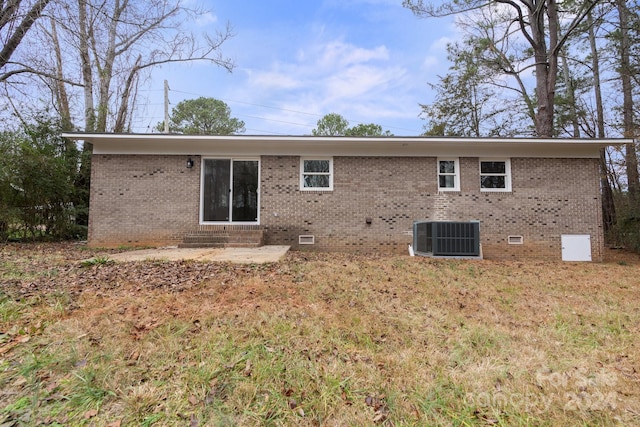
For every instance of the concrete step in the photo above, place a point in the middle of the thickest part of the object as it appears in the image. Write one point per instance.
(226, 233)
(224, 238)
(220, 245)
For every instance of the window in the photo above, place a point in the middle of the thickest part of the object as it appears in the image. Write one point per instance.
(316, 174)
(495, 175)
(448, 176)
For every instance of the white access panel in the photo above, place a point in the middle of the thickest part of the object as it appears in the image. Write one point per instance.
(576, 247)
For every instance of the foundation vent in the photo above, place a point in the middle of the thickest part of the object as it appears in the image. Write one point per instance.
(306, 239)
(515, 240)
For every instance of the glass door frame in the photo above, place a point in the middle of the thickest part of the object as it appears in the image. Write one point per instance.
(202, 178)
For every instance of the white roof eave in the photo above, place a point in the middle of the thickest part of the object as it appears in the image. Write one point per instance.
(243, 145)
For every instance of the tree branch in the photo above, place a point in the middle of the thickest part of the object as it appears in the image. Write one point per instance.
(574, 24)
(420, 9)
(521, 19)
(27, 21)
(28, 69)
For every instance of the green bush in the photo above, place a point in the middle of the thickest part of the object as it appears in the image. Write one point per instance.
(38, 195)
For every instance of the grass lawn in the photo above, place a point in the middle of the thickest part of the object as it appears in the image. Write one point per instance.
(316, 340)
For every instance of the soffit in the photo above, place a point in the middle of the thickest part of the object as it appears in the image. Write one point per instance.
(244, 145)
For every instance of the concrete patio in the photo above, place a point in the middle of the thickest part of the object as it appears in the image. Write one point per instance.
(261, 255)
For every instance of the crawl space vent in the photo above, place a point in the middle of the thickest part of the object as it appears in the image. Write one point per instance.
(308, 239)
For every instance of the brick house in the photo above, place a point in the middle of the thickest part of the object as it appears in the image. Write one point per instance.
(344, 193)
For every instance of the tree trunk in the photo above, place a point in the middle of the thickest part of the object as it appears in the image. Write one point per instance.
(571, 95)
(631, 158)
(608, 205)
(83, 179)
(546, 65)
(124, 98)
(106, 72)
(62, 99)
(87, 73)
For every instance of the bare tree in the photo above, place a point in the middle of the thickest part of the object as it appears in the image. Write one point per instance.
(16, 19)
(113, 41)
(92, 54)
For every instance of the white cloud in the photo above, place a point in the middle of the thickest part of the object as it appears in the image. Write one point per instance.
(204, 16)
(441, 44)
(430, 62)
(205, 19)
(335, 69)
(359, 80)
(368, 60)
(336, 54)
(363, 84)
(273, 80)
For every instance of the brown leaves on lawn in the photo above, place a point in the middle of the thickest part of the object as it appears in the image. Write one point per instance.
(16, 340)
(392, 324)
(379, 406)
(176, 276)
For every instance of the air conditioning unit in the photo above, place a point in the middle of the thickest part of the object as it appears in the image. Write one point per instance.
(447, 239)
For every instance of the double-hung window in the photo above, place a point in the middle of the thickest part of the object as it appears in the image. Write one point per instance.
(316, 174)
(448, 174)
(495, 175)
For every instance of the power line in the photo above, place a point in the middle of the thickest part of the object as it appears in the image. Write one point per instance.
(275, 120)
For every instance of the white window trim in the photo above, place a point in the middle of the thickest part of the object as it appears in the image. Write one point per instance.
(302, 174)
(456, 174)
(507, 175)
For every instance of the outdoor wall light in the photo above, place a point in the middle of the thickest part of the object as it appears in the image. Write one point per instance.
(189, 163)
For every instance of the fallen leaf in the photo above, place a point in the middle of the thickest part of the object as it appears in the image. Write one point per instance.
(19, 382)
(193, 400)
(415, 411)
(23, 339)
(6, 348)
(115, 424)
(52, 386)
(135, 354)
(247, 369)
(90, 414)
(380, 417)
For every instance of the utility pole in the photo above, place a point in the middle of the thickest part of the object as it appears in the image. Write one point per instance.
(166, 106)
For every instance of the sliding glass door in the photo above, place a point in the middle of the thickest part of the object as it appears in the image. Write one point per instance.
(230, 190)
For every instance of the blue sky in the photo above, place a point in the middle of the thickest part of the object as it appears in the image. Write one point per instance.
(368, 60)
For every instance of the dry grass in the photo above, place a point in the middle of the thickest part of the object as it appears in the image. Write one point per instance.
(318, 339)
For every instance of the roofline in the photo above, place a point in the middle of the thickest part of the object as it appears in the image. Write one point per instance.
(396, 146)
(90, 136)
